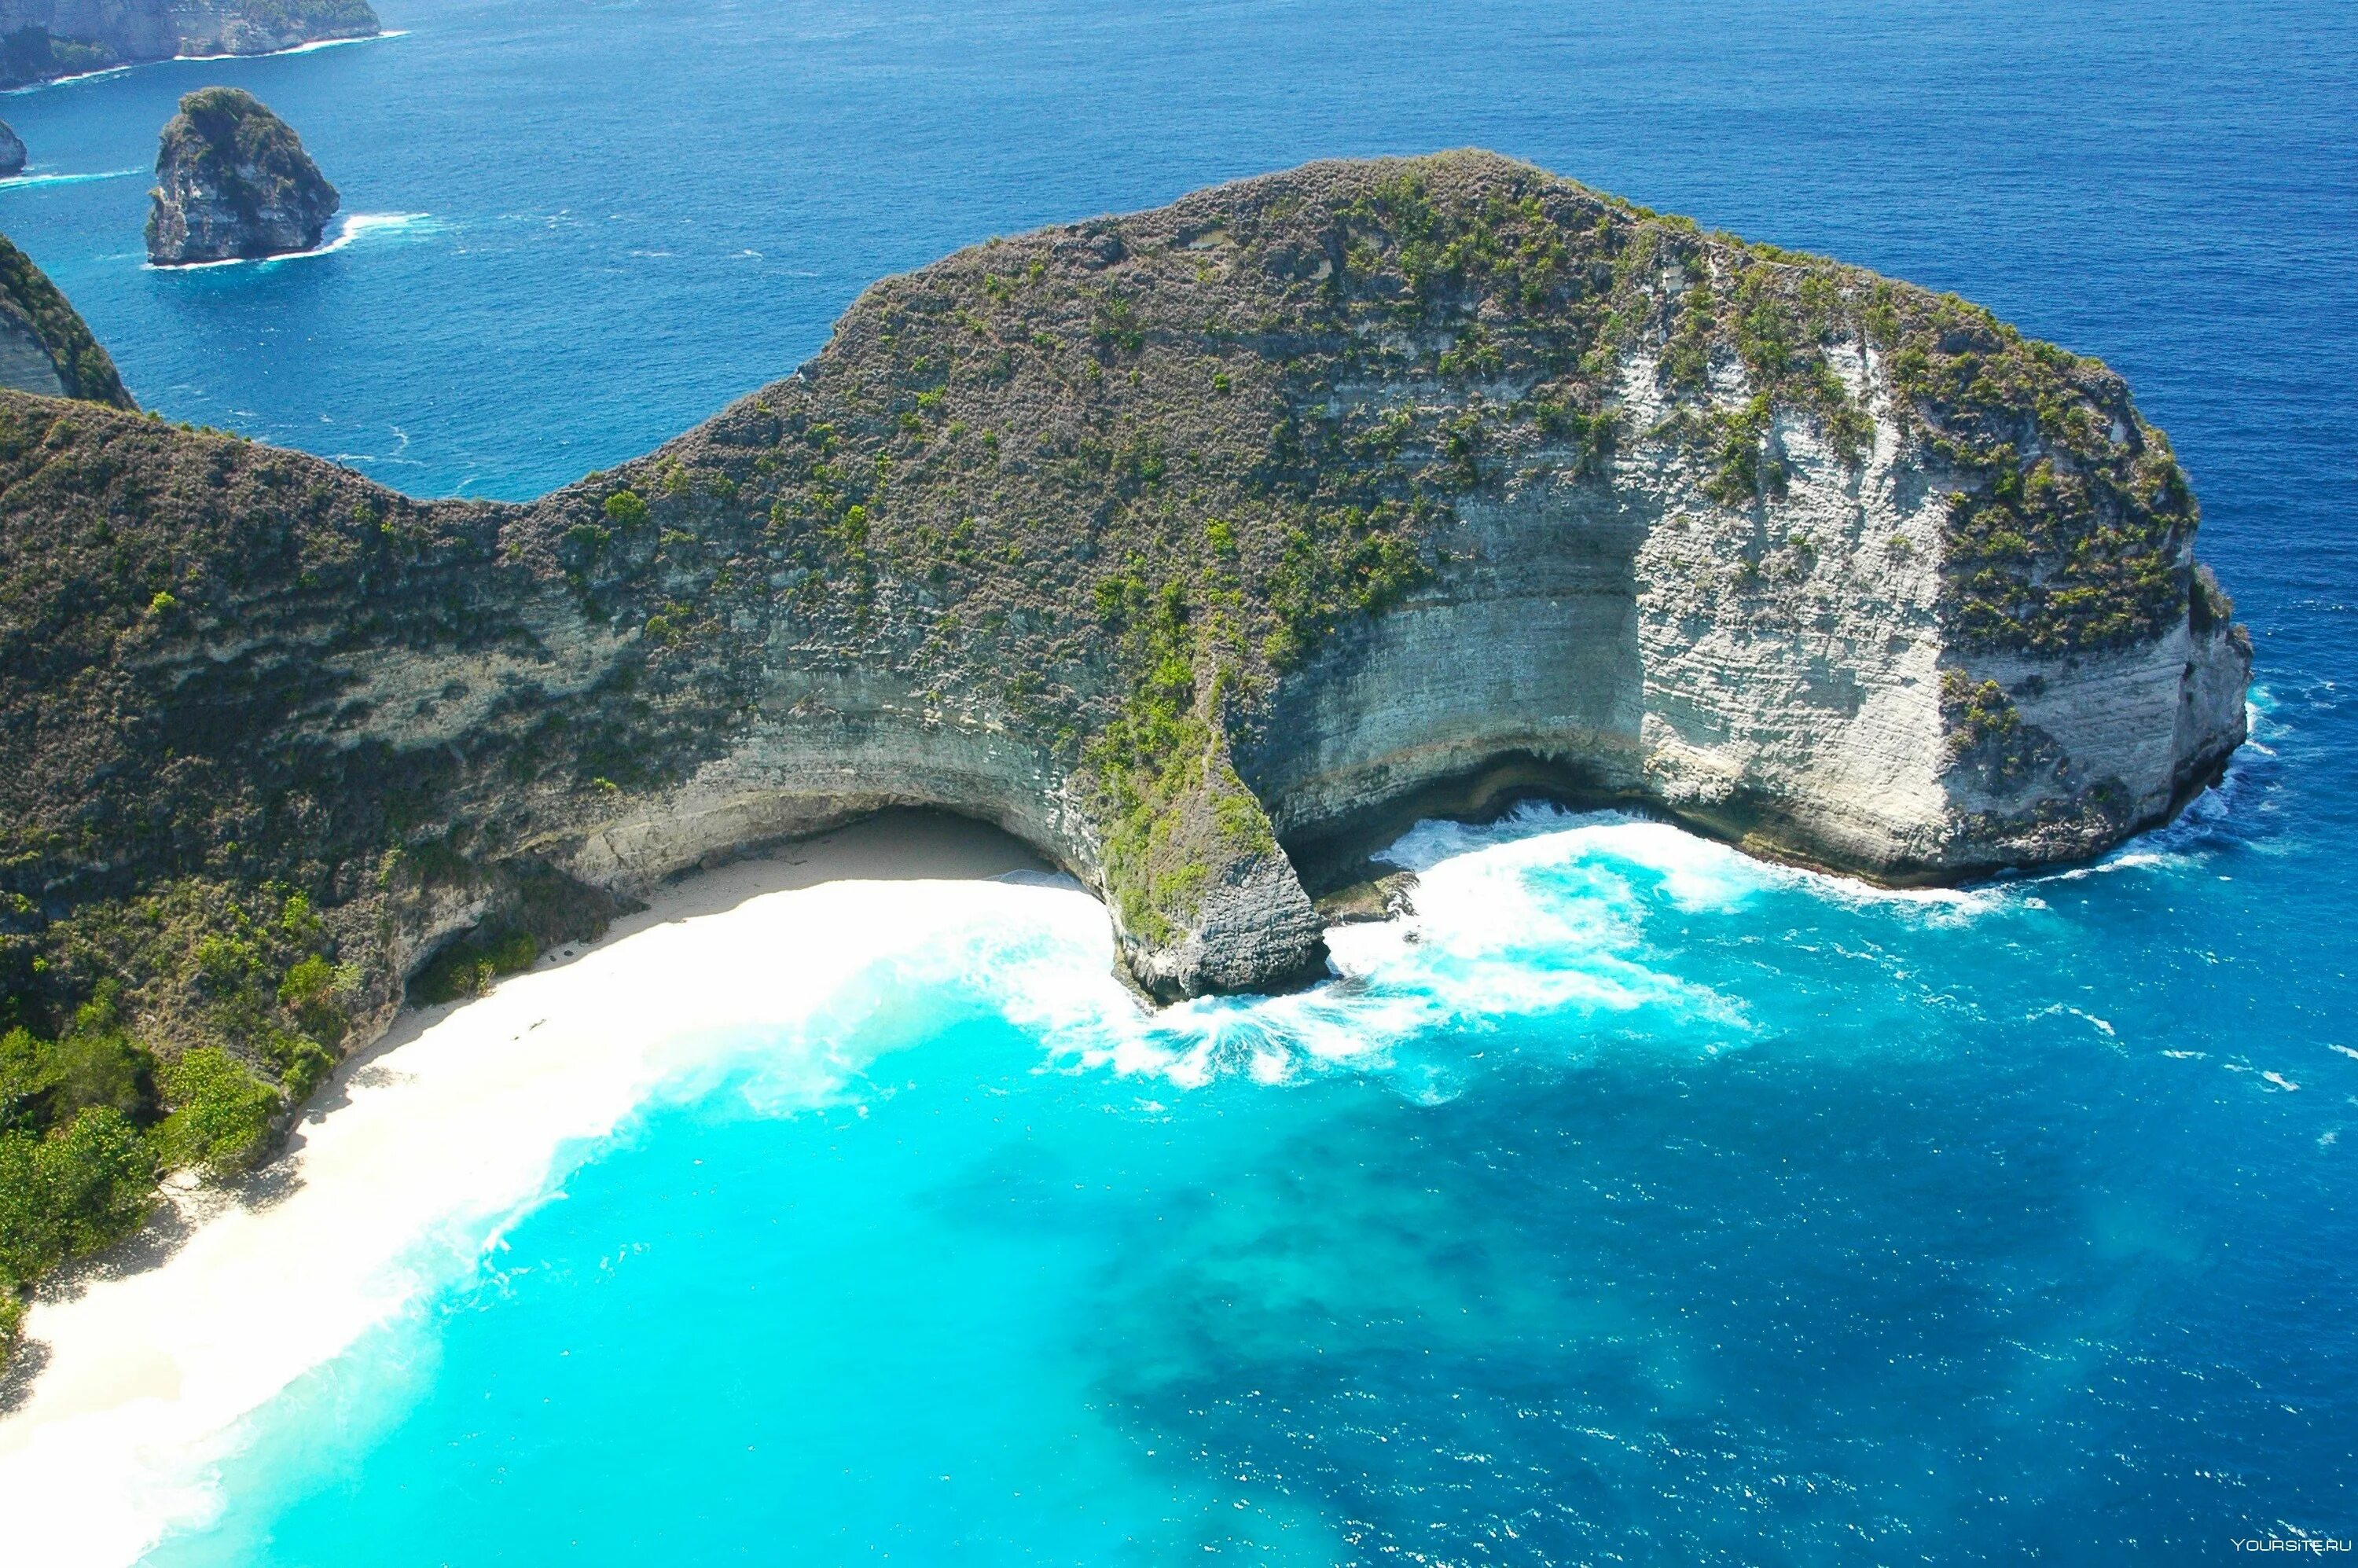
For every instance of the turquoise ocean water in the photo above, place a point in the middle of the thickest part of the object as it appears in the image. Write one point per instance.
(1651, 1205)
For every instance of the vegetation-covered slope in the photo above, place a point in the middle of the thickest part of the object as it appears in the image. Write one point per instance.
(29, 300)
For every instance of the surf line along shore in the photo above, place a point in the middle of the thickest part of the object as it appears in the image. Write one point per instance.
(137, 1371)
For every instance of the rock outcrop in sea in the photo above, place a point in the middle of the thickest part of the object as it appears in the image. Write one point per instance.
(12, 151)
(1201, 548)
(232, 181)
(43, 40)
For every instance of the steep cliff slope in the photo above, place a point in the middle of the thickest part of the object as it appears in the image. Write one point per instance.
(41, 40)
(1193, 546)
(44, 346)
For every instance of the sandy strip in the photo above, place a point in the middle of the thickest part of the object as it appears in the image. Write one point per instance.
(423, 1145)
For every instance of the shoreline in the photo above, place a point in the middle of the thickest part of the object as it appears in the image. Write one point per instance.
(138, 1366)
(402, 1176)
(309, 46)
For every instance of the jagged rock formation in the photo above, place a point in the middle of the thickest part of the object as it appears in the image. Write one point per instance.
(233, 180)
(43, 40)
(44, 346)
(1195, 546)
(12, 151)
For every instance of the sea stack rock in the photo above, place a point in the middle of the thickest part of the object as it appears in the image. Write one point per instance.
(12, 151)
(232, 181)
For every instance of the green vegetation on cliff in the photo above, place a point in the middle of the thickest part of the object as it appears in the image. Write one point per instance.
(286, 738)
(1108, 483)
(35, 54)
(2070, 530)
(83, 367)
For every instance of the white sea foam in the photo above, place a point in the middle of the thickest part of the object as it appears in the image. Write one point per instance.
(357, 226)
(1697, 873)
(30, 181)
(314, 47)
(2102, 1026)
(441, 1142)
(1535, 914)
(68, 80)
(352, 228)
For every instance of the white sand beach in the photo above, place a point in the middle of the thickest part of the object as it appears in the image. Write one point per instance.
(136, 1372)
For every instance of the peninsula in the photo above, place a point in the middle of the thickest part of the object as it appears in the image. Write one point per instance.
(1200, 549)
(41, 41)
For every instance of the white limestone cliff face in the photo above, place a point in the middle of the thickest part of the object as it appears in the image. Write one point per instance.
(203, 28)
(1779, 675)
(25, 362)
(1772, 675)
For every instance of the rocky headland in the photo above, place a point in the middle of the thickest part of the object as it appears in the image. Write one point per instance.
(1199, 548)
(43, 40)
(233, 182)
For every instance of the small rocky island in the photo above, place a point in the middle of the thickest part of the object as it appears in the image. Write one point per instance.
(233, 183)
(12, 151)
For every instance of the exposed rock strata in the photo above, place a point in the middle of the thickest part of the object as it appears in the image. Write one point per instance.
(43, 40)
(232, 181)
(1191, 546)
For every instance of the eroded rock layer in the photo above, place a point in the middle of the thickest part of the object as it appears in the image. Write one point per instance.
(1195, 546)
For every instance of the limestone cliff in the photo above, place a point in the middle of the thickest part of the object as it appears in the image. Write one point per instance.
(42, 40)
(44, 346)
(1197, 547)
(233, 180)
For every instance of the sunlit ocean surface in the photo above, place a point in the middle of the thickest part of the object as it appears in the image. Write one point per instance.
(1633, 1204)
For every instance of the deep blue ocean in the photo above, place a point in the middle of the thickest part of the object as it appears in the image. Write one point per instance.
(1652, 1207)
